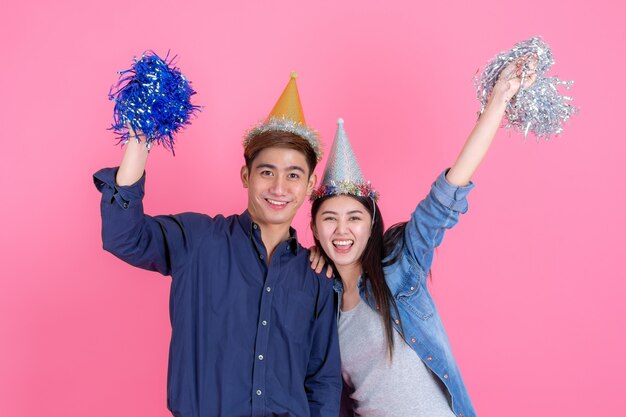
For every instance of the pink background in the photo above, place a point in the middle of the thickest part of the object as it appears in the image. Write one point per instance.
(530, 284)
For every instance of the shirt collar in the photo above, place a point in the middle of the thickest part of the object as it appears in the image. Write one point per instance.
(253, 229)
(338, 285)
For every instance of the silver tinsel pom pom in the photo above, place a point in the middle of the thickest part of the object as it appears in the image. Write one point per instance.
(540, 108)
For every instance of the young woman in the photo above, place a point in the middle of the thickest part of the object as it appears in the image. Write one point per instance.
(396, 358)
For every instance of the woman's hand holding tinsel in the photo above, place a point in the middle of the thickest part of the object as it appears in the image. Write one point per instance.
(515, 77)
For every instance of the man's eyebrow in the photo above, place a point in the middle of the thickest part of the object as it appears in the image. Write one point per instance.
(296, 168)
(270, 166)
(289, 168)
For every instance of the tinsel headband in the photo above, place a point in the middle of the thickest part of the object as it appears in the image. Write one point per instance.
(284, 124)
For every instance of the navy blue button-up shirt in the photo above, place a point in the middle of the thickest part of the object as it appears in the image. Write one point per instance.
(248, 338)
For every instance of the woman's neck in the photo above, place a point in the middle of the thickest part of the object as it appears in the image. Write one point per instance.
(350, 278)
(350, 275)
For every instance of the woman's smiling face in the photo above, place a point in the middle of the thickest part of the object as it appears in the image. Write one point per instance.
(342, 225)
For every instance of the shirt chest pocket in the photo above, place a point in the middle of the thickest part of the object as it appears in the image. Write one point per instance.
(413, 295)
(299, 314)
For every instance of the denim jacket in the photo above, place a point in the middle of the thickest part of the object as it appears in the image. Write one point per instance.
(407, 280)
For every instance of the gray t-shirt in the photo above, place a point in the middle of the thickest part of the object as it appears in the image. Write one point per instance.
(403, 387)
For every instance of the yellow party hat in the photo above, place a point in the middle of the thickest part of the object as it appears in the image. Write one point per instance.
(288, 104)
(287, 116)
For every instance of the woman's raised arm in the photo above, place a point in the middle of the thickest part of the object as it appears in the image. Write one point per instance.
(479, 140)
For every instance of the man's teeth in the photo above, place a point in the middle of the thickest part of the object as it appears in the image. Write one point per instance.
(277, 203)
(343, 242)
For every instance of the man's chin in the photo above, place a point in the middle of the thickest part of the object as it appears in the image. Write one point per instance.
(275, 219)
(280, 220)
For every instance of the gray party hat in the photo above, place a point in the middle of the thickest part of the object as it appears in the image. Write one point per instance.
(343, 174)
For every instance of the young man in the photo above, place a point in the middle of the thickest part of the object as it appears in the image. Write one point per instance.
(253, 327)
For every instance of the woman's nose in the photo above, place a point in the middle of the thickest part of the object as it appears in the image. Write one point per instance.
(342, 226)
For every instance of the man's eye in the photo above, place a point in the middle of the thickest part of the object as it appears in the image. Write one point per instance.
(267, 173)
(294, 176)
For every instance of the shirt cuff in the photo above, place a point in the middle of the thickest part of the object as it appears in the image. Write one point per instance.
(451, 196)
(125, 196)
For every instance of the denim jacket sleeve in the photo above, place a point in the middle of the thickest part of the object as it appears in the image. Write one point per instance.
(140, 240)
(434, 214)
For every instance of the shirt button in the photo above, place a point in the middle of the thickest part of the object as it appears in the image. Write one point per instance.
(412, 288)
(460, 414)
(397, 321)
(445, 376)
(430, 358)
(260, 256)
(412, 340)
(264, 323)
(255, 226)
(260, 357)
(258, 392)
(268, 289)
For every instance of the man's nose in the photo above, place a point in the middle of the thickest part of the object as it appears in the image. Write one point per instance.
(278, 185)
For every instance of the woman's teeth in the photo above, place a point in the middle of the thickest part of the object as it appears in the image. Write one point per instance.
(343, 243)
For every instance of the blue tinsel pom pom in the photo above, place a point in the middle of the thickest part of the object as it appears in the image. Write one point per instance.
(153, 97)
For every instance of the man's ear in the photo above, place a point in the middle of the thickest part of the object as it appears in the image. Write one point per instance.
(311, 185)
(245, 175)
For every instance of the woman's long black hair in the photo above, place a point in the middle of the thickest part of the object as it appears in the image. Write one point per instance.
(379, 246)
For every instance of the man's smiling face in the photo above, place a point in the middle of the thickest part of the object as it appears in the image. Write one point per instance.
(278, 182)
